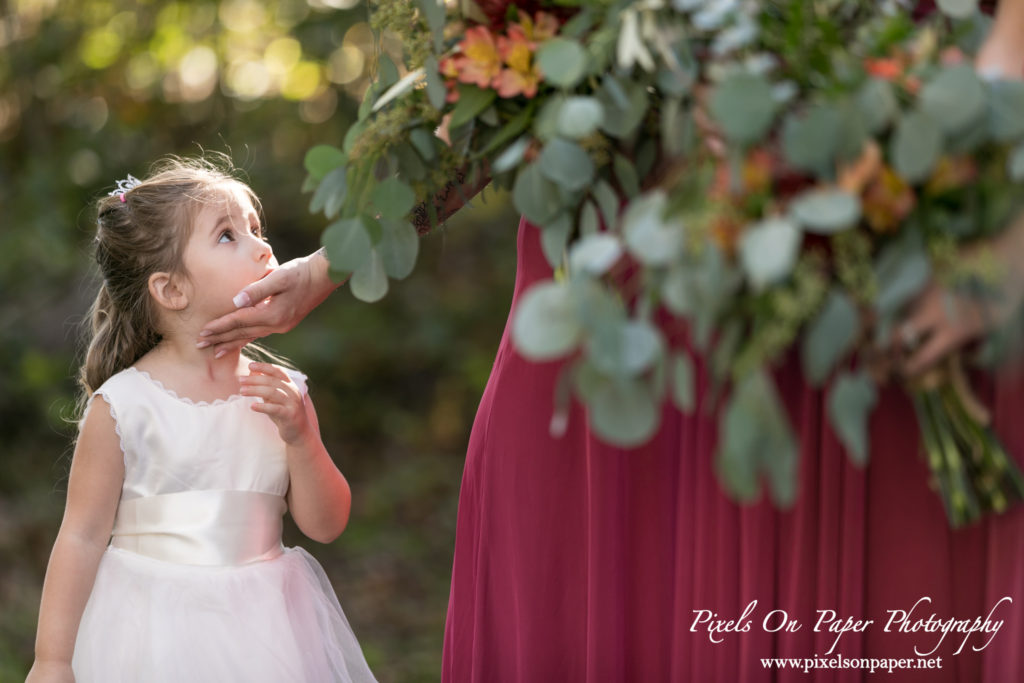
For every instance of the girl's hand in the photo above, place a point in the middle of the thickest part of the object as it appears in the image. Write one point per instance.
(272, 305)
(50, 672)
(282, 400)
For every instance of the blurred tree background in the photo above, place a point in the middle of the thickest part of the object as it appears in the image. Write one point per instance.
(94, 90)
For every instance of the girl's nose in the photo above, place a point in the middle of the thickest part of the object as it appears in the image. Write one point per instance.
(263, 251)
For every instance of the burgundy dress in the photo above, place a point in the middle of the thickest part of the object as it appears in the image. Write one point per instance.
(578, 562)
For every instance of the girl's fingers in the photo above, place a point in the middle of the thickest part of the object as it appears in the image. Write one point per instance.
(268, 369)
(269, 393)
(271, 409)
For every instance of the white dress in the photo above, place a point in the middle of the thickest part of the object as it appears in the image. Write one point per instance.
(196, 585)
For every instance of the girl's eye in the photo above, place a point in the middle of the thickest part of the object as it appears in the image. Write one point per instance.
(226, 236)
(256, 229)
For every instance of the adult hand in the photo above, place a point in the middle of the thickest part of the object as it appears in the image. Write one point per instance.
(274, 304)
(941, 322)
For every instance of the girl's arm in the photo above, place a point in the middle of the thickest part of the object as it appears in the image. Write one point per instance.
(318, 497)
(94, 489)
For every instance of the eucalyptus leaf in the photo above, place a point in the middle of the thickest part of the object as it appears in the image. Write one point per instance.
(546, 324)
(347, 244)
(562, 61)
(596, 252)
(553, 238)
(437, 94)
(535, 196)
(955, 98)
(649, 236)
(512, 155)
(433, 11)
(826, 211)
(624, 106)
(369, 282)
(902, 271)
(567, 164)
(768, 251)
(958, 9)
(744, 108)
(829, 337)
(1006, 110)
(393, 198)
(608, 202)
(877, 102)
(424, 142)
(398, 248)
(625, 173)
(850, 402)
(579, 117)
(916, 146)
(331, 193)
(810, 140)
(677, 290)
(627, 350)
(322, 159)
(624, 413)
(590, 221)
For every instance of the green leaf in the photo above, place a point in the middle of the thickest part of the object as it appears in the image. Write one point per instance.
(578, 117)
(958, 9)
(625, 173)
(850, 402)
(1015, 164)
(877, 102)
(678, 291)
(323, 159)
(516, 125)
(437, 94)
(809, 141)
(677, 129)
(534, 196)
(623, 413)
(902, 271)
(330, 195)
(768, 251)
(347, 243)
(567, 164)
(916, 146)
(683, 392)
(955, 98)
(596, 252)
(651, 238)
(545, 324)
(393, 198)
(829, 337)
(398, 248)
(626, 350)
(512, 155)
(826, 211)
(756, 438)
(624, 106)
(562, 61)
(553, 238)
(744, 108)
(472, 101)
(590, 222)
(1006, 110)
(425, 143)
(433, 12)
(608, 202)
(369, 282)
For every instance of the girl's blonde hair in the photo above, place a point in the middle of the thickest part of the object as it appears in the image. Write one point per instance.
(141, 231)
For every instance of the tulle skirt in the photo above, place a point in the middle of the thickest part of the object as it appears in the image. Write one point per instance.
(276, 621)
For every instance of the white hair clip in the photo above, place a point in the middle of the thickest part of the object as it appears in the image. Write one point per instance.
(129, 183)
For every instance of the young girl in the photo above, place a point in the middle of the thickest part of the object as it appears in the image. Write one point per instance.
(169, 565)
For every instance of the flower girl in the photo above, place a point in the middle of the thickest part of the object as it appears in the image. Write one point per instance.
(169, 565)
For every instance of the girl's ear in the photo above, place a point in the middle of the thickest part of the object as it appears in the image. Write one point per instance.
(168, 291)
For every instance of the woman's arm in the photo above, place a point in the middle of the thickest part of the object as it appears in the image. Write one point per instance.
(1001, 54)
(94, 489)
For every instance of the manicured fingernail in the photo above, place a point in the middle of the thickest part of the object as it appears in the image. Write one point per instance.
(202, 344)
(205, 333)
(242, 299)
(219, 354)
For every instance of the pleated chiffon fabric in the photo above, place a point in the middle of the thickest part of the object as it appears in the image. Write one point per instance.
(575, 561)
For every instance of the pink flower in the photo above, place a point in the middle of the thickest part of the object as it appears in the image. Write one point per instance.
(481, 62)
(522, 75)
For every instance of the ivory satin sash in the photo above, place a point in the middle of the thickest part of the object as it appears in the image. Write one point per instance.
(213, 528)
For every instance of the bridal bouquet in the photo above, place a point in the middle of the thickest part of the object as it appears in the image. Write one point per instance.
(774, 175)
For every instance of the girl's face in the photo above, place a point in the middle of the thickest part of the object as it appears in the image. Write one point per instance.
(225, 252)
